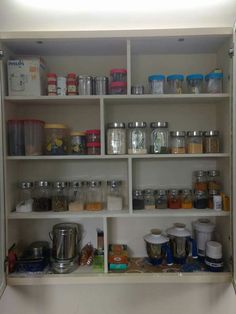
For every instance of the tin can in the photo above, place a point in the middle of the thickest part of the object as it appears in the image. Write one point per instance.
(100, 85)
(61, 86)
(85, 83)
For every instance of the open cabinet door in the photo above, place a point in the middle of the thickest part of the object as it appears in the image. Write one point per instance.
(234, 156)
(2, 208)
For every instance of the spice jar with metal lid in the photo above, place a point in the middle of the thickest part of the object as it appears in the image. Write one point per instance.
(42, 196)
(177, 145)
(137, 138)
(52, 84)
(214, 180)
(71, 84)
(161, 199)
(174, 201)
(201, 199)
(114, 195)
(186, 199)
(211, 141)
(76, 195)
(60, 196)
(195, 142)
(94, 198)
(116, 138)
(85, 85)
(78, 143)
(25, 203)
(212, 193)
(159, 138)
(138, 199)
(101, 85)
(200, 180)
(137, 89)
(149, 199)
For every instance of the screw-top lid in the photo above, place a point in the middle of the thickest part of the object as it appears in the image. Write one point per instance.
(213, 173)
(194, 133)
(42, 184)
(179, 230)
(214, 192)
(214, 75)
(194, 77)
(149, 192)
(178, 133)
(114, 183)
(175, 77)
(214, 250)
(94, 183)
(173, 191)
(77, 184)
(186, 191)
(204, 225)
(26, 185)
(65, 228)
(77, 133)
(116, 125)
(71, 76)
(137, 192)
(60, 184)
(200, 173)
(158, 124)
(113, 71)
(156, 237)
(136, 124)
(96, 132)
(200, 193)
(156, 77)
(51, 75)
(211, 133)
(101, 78)
(85, 77)
(161, 192)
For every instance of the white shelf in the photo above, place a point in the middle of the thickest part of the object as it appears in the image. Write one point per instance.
(180, 213)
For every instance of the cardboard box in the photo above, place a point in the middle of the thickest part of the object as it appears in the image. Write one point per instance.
(27, 77)
(118, 254)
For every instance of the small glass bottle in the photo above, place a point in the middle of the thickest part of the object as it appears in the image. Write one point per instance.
(213, 180)
(137, 138)
(76, 196)
(178, 142)
(212, 193)
(186, 199)
(174, 201)
(194, 142)
(211, 142)
(149, 199)
(25, 203)
(138, 199)
(116, 138)
(161, 199)
(200, 180)
(201, 199)
(159, 138)
(60, 196)
(114, 195)
(42, 196)
(94, 198)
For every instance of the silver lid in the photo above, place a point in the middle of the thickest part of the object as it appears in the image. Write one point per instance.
(101, 78)
(26, 185)
(214, 192)
(65, 228)
(186, 191)
(85, 77)
(161, 192)
(138, 192)
(76, 184)
(149, 192)
(94, 183)
(213, 173)
(116, 125)
(42, 184)
(114, 183)
(60, 184)
(158, 124)
(173, 191)
(211, 133)
(200, 173)
(136, 124)
(200, 193)
(178, 133)
(194, 133)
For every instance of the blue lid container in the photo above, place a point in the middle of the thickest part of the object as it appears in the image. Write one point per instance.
(194, 77)
(156, 77)
(214, 75)
(173, 77)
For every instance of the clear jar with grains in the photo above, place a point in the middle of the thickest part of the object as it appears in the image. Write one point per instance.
(77, 196)
(138, 199)
(214, 180)
(94, 198)
(156, 84)
(25, 203)
(174, 199)
(211, 141)
(186, 199)
(195, 142)
(114, 195)
(177, 145)
(149, 199)
(116, 138)
(137, 138)
(56, 139)
(60, 196)
(200, 180)
(161, 199)
(195, 83)
(159, 138)
(175, 83)
(42, 196)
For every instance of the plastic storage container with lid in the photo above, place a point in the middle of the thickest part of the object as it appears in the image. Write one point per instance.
(56, 139)
(76, 196)
(78, 143)
(159, 138)
(175, 83)
(137, 138)
(138, 199)
(42, 196)
(118, 75)
(118, 88)
(60, 196)
(33, 131)
(25, 203)
(195, 83)
(177, 145)
(211, 141)
(93, 136)
(203, 233)
(156, 84)
(94, 198)
(15, 137)
(116, 138)
(114, 195)
(194, 142)
(214, 260)
(214, 82)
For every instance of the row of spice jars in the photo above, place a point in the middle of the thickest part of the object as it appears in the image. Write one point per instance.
(73, 196)
(181, 142)
(176, 199)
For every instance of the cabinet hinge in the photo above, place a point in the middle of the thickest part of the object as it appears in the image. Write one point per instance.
(231, 52)
(1, 54)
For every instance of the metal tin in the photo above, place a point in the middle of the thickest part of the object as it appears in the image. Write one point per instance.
(101, 85)
(194, 133)
(177, 133)
(116, 125)
(137, 125)
(85, 83)
(158, 124)
(137, 90)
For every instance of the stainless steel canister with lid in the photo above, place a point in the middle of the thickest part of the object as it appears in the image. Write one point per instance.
(116, 138)
(100, 85)
(85, 83)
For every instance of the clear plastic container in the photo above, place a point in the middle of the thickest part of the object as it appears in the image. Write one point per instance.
(118, 88)
(42, 196)
(77, 196)
(159, 138)
(25, 203)
(116, 138)
(156, 84)
(15, 136)
(214, 83)
(195, 142)
(175, 83)
(94, 199)
(177, 145)
(60, 196)
(211, 141)
(195, 83)
(137, 138)
(78, 143)
(93, 136)
(118, 75)
(56, 139)
(33, 131)
(114, 195)
(200, 180)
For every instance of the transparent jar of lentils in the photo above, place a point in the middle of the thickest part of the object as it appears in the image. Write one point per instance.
(177, 142)
(149, 199)
(211, 141)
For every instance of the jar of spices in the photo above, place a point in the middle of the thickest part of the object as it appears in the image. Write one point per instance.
(200, 199)
(175, 83)
(93, 136)
(211, 142)
(85, 85)
(213, 180)
(194, 142)
(212, 194)
(156, 84)
(101, 85)
(52, 84)
(138, 199)
(71, 84)
(94, 198)
(76, 196)
(137, 138)
(214, 82)
(161, 199)
(114, 195)
(195, 83)
(178, 142)
(159, 138)
(93, 148)
(78, 143)
(42, 196)
(56, 139)
(116, 138)
(25, 203)
(186, 199)
(118, 75)
(174, 200)
(200, 180)
(149, 199)
(60, 196)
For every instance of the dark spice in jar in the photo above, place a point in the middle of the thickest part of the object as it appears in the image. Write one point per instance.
(138, 199)
(42, 204)
(161, 199)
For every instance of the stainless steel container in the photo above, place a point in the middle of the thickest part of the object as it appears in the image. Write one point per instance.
(101, 85)
(85, 83)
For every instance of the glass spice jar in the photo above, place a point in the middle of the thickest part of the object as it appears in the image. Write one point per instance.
(200, 180)
(138, 199)
(76, 196)
(161, 199)
(174, 200)
(213, 180)
(211, 142)
(178, 142)
(194, 142)
(159, 138)
(201, 199)
(116, 138)
(137, 138)
(186, 199)
(212, 193)
(94, 199)
(42, 196)
(114, 195)
(25, 203)
(60, 196)
(149, 199)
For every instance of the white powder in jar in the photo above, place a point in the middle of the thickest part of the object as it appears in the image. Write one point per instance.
(114, 202)
(76, 206)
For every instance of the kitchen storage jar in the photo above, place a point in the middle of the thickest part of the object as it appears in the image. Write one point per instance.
(159, 138)
(214, 83)
(138, 199)
(186, 199)
(211, 198)
(76, 196)
(116, 138)
(94, 198)
(214, 180)
(203, 229)
(85, 85)
(174, 200)
(93, 136)
(71, 84)
(15, 137)
(60, 196)
(201, 199)
(42, 196)
(214, 259)
(161, 199)
(195, 142)
(195, 83)
(177, 145)
(78, 143)
(200, 180)
(118, 75)
(101, 85)
(175, 83)
(137, 90)
(211, 141)
(137, 138)
(93, 148)
(33, 131)
(56, 139)
(25, 203)
(52, 84)
(114, 195)
(61, 86)
(149, 199)
(118, 88)
(156, 84)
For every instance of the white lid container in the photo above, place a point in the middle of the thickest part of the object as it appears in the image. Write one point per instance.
(214, 250)
(155, 237)
(179, 230)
